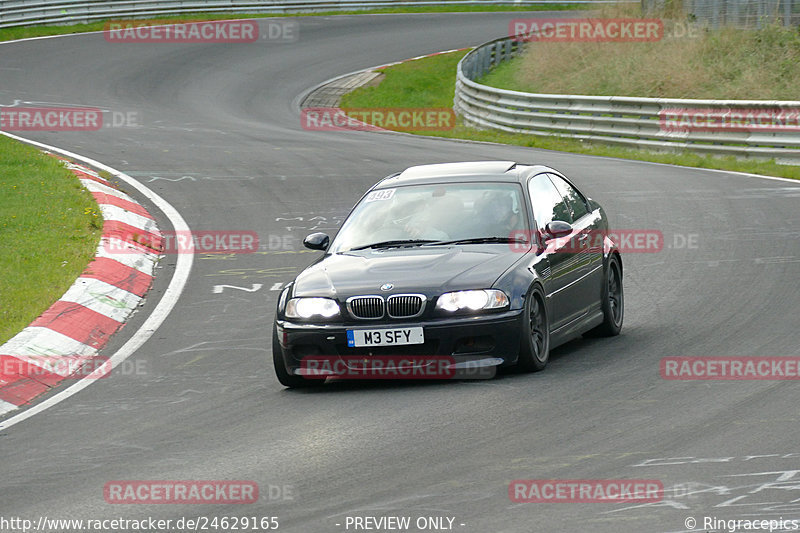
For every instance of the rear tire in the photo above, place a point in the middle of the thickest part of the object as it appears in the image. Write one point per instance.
(613, 302)
(534, 350)
(286, 379)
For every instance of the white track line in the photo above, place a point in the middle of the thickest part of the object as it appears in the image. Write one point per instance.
(168, 301)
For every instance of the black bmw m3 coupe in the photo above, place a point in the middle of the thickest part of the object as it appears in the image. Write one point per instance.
(447, 267)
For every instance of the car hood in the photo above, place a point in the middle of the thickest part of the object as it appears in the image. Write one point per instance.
(425, 270)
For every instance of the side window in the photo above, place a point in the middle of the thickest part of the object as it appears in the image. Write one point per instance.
(547, 203)
(575, 201)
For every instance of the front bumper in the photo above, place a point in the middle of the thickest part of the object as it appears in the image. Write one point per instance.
(466, 341)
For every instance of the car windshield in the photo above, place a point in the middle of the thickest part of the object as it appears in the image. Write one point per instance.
(416, 215)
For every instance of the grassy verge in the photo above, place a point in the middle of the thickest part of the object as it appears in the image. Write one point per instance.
(7, 34)
(724, 64)
(430, 82)
(49, 230)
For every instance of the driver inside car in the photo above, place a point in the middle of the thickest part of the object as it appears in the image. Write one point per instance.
(495, 215)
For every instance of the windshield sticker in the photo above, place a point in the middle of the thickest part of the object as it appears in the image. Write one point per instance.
(384, 194)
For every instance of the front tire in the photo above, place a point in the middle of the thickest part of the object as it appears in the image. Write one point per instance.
(534, 351)
(286, 379)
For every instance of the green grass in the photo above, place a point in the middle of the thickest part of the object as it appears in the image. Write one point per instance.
(23, 32)
(430, 82)
(725, 64)
(49, 231)
(427, 82)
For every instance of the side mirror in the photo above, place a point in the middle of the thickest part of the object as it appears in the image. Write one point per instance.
(317, 241)
(556, 229)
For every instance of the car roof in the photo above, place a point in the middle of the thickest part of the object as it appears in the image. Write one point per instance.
(501, 171)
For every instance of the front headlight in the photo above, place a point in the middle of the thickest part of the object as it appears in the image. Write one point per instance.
(310, 307)
(472, 300)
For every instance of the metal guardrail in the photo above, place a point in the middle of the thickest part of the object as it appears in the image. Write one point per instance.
(620, 120)
(31, 12)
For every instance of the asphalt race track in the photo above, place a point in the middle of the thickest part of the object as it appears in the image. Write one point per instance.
(219, 137)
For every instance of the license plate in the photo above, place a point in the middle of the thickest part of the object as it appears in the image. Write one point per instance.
(384, 337)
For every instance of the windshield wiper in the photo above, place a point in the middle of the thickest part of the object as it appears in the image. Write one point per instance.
(479, 240)
(394, 244)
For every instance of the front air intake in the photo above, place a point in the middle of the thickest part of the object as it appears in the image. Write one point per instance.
(366, 307)
(405, 305)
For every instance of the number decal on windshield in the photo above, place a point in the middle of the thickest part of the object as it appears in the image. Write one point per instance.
(379, 195)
